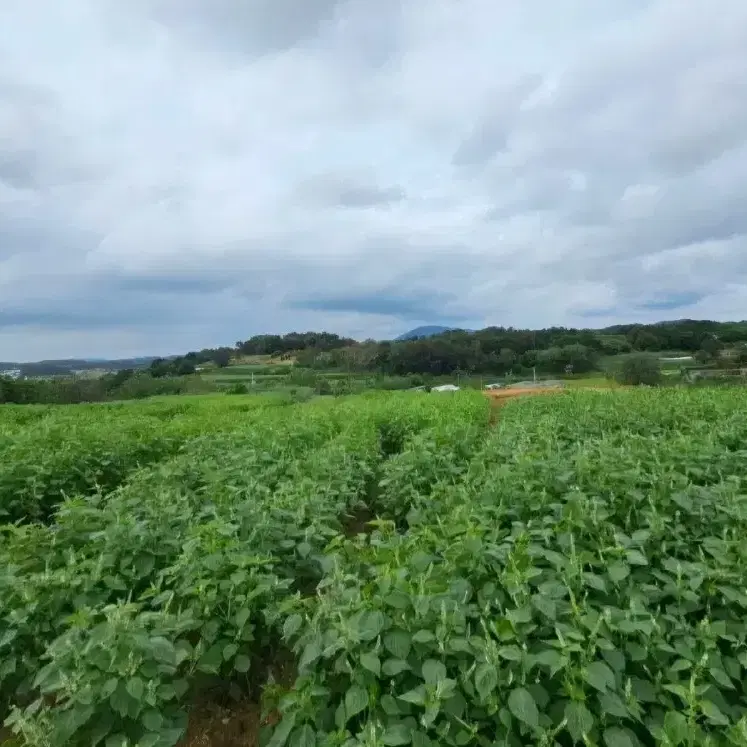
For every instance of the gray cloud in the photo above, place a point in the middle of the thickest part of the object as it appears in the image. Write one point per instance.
(330, 190)
(256, 28)
(199, 172)
(490, 134)
(387, 302)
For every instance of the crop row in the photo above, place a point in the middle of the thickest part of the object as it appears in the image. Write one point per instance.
(583, 586)
(61, 452)
(574, 575)
(130, 601)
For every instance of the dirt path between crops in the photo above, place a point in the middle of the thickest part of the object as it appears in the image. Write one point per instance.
(212, 725)
(499, 397)
(502, 394)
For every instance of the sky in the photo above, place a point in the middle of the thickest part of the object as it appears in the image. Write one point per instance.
(176, 174)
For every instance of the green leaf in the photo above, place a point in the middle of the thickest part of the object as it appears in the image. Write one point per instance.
(304, 548)
(596, 582)
(618, 571)
(389, 705)
(392, 667)
(311, 653)
(415, 696)
(292, 625)
(636, 557)
(304, 736)
(721, 677)
(399, 643)
(144, 564)
(163, 649)
(550, 658)
(229, 651)
(615, 737)
(397, 734)
(520, 615)
(371, 662)
(120, 700)
(613, 705)
(510, 653)
(370, 625)
(713, 714)
(136, 688)
(356, 700)
(242, 663)
(426, 636)
(522, 706)
(109, 687)
(545, 605)
(180, 687)
(678, 690)
(599, 676)
(675, 726)
(282, 731)
(486, 679)
(211, 660)
(419, 739)
(242, 616)
(152, 719)
(579, 718)
(681, 665)
(433, 671)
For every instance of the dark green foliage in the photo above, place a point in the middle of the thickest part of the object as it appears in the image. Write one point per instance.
(116, 614)
(581, 582)
(639, 369)
(572, 576)
(119, 386)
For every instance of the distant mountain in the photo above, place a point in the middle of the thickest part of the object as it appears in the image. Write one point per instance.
(426, 331)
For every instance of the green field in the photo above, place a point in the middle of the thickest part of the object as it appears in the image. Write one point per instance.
(384, 569)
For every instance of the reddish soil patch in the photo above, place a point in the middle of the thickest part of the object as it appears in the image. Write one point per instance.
(499, 397)
(501, 394)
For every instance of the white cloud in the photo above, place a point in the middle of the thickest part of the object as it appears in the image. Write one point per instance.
(176, 174)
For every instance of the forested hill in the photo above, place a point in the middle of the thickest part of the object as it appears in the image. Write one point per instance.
(491, 350)
(494, 350)
(499, 350)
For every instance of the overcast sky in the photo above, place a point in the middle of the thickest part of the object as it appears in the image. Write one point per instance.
(185, 173)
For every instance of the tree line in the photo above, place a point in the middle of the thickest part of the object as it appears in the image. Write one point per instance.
(504, 350)
(491, 351)
(122, 385)
(278, 346)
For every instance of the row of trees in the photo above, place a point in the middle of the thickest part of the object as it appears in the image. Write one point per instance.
(125, 384)
(500, 350)
(494, 350)
(491, 351)
(276, 345)
(291, 343)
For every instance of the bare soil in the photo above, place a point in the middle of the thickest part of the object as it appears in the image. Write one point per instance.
(212, 725)
(501, 394)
